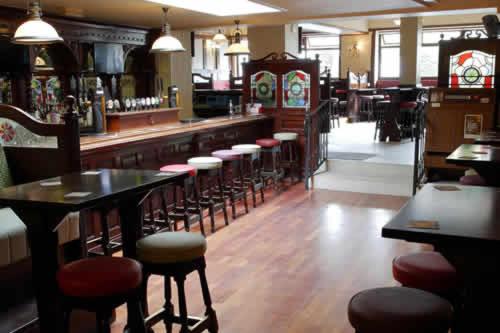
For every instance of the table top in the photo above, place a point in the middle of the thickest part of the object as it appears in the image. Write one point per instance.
(470, 155)
(470, 216)
(99, 185)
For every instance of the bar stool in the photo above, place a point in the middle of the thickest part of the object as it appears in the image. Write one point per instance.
(289, 153)
(175, 255)
(473, 180)
(380, 108)
(252, 169)
(271, 148)
(100, 285)
(188, 209)
(210, 179)
(334, 111)
(366, 106)
(232, 175)
(399, 310)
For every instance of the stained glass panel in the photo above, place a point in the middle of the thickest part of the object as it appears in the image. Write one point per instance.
(472, 69)
(263, 88)
(296, 89)
(14, 134)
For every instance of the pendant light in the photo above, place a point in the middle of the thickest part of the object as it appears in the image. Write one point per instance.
(237, 48)
(220, 38)
(35, 31)
(166, 42)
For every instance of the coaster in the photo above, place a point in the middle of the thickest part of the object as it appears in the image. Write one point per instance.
(53, 183)
(91, 173)
(467, 157)
(75, 195)
(165, 174)
(479, 152)
(423, 224)
(447, 188)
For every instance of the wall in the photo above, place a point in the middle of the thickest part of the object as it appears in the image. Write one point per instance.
(265, 40)
(363, 62)
(180, 73)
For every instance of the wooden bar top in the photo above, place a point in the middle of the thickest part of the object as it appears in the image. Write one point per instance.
(89, 143)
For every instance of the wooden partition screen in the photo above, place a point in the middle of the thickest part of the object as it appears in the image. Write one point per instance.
(37, 150)
(277, 86)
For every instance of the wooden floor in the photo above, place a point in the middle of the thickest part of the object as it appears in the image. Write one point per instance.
(292, 264)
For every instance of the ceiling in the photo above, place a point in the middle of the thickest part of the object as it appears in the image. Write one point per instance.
(146, 14)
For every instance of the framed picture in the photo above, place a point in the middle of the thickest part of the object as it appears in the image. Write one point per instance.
(473, 126)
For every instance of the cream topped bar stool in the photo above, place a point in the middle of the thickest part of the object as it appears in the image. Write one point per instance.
(252, 169)
(175, 255)
(210, 178)
(290, 159)
(232, 176)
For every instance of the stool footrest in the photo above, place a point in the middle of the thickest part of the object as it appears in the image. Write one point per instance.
(196, 324)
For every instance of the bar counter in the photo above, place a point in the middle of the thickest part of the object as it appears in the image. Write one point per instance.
(151, 147)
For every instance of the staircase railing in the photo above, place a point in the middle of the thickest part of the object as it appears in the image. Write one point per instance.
(316, 129)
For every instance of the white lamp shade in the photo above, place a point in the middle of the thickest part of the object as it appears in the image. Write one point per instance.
(36, 31)
(167, 43)
(237, 49)
(220, 38)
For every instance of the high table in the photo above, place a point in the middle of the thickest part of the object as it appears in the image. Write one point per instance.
(485, 159)
(468, 236)
(42, 206)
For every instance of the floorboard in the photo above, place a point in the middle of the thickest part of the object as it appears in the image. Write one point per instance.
(292, 264)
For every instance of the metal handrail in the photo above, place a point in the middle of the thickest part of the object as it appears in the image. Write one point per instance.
(316, 127)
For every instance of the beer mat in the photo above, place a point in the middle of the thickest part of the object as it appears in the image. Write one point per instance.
(165, 174)
(53, 183)
(76, 195)
(91, 173)
(480, 152)
(446, 188)
(467, 157)
(423, 224)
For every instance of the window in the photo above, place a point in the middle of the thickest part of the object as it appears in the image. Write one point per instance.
(327, 47)
(209, 58)
(388, 56)
(429, 54)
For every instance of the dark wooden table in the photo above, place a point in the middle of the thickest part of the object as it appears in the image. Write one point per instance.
(42, 208)
(485, 159)
(468, 236)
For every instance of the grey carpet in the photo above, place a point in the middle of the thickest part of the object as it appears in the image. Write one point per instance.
(338, 155)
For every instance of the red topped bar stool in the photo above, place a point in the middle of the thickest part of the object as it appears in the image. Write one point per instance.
(176, 255)
(210, 179)
(232, 175)
(473, 180)
(187, 208)
(399, 310)
(271, 153)
(252, 169)
(100, 285)
(289, 157)
(428, 271)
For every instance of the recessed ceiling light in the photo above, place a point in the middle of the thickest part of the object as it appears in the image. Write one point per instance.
(320, 28)
(221, 7)
(397, 22)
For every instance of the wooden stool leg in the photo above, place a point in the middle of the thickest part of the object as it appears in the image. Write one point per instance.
(185, 208)
(196, 195)
(144, 293)
(164, 194)
(103, 322)
(183, 316)
(221, 190)
(252, 183)
(243, 186)
(67, 320)
(168, 306)
(105, 239)
(134, 312)
(210, 312)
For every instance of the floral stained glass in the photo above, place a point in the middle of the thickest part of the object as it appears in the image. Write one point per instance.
(472, 69)
(263, 88)
(296, 89)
